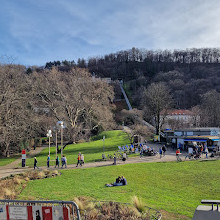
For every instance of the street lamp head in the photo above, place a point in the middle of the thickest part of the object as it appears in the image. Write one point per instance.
(61, 124)
(49, 133)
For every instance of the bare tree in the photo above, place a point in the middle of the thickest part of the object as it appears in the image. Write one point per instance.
(210, 108)
(157, 99)
(74, 97)
(14, 108)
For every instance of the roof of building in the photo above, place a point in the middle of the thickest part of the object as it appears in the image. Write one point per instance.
(177, 112)
(198, 129)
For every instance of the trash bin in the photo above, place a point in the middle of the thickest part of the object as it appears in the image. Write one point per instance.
(23, 158)
(23, 162)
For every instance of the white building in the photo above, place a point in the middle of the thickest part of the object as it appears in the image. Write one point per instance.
(179, 118)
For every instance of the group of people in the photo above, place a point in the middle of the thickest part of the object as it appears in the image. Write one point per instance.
(196, 151)
(162, 151)
(80, 160)
(120, 181)
(146, 151)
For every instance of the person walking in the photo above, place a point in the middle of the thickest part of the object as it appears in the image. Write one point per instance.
(82, 159)
(206, 152)
(190, 152)
(35, 163)
(178, 155)
(48, 161)
(124, 156)
(64, 161)
(57, 162)
(79, 160)
(141, 152)
(164, 150)
(160, 152)
(115, 158)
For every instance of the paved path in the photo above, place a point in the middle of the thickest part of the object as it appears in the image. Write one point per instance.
(170, 156)
(11, 170)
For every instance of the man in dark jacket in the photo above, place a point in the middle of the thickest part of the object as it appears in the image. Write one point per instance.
(123, 180)
(35, 163)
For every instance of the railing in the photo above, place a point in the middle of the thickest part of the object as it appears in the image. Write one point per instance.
(31, 202)
(126, 98)
(212, 202)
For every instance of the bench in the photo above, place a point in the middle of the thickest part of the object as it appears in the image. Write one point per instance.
(212, 202)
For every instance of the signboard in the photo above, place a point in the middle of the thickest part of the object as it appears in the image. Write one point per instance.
(18, 213)
(3, 212)
(57, 213)
(47, 213)
(37, 213)
(66, 213)
(34, 212)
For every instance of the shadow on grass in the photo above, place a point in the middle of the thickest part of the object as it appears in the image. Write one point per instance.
(208, 160)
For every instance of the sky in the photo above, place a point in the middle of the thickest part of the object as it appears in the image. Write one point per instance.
(33, 32)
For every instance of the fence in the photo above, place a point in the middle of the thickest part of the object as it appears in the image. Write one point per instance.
(34, 210)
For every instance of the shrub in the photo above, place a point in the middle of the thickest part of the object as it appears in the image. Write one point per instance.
(138, 204)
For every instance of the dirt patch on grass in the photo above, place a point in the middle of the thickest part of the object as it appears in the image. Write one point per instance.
(12, 186)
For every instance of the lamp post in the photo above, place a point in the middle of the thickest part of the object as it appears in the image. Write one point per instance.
(56, 143)
(49, 134)
(103, 143)
(61, 131)
(55, 130)
(61, 125)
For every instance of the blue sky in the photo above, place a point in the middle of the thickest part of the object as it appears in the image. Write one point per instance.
(33, 32)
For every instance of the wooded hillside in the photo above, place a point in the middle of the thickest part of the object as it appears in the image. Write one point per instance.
(188, 73)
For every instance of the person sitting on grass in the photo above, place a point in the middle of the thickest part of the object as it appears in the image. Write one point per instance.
(120, 181)
(123, 181)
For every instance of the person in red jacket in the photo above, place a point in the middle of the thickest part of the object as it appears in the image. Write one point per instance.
(178, 154)
(79, 160)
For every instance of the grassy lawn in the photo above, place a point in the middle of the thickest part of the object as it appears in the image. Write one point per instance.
(92, 150)
(170, 186)
(5, 161)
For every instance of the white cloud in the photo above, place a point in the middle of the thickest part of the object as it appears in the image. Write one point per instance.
(40, 31)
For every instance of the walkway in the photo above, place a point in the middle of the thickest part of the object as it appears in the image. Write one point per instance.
(11, 170)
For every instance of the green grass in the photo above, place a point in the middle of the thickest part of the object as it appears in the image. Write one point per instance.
(171, 186)
(6, 161)
(92, 150)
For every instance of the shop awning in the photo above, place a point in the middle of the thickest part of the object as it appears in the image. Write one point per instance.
(214, 139)
(201, 138)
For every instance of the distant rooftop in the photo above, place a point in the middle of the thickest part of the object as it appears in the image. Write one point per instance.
(198, 129)
(177, 112)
